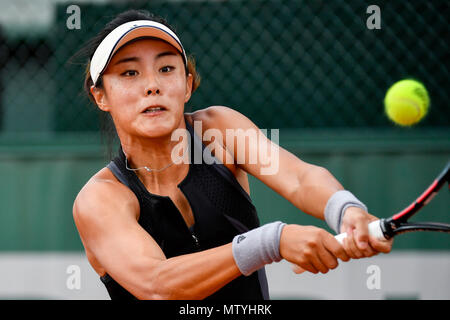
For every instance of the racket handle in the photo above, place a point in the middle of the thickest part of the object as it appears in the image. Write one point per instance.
(374, 230)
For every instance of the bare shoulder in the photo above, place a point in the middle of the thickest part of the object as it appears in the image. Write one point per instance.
(218, 117)
(104, 196)
(101, 210)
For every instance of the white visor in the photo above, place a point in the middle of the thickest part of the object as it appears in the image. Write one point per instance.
(124, 34)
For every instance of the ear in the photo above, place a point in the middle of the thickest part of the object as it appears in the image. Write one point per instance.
(100, 98)
(189, 81)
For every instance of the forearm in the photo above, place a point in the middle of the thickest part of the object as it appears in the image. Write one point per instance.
(198, 275)
(316, 186)
(194, 276)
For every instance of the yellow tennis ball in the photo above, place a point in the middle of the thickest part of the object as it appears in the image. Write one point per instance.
(406, 102)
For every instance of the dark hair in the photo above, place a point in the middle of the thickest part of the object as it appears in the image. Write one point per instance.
(106, 124)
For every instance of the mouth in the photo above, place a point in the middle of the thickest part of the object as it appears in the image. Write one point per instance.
(155, 109)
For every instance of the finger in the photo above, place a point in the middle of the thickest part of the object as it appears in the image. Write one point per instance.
(304, 266)
(370, 251)
(328, 259)
(351, 245)
(346, 245)
(335, 248)
(317, 263)
(380, 245)
(361, 235)
(297, 269)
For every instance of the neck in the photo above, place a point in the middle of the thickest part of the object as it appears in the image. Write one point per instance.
(156, 154)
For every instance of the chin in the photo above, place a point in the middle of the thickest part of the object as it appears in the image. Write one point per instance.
(159, 130)
(158, 126)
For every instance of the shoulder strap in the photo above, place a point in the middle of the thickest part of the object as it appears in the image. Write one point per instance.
(118, 173)
(220, 167)
(128, 178)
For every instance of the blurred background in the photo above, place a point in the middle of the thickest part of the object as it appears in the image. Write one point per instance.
(312, 69)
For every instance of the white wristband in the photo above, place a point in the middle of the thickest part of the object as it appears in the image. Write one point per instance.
(336, 206)
(258, 247)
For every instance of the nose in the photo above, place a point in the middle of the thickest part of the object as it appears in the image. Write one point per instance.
(152, 84)
(153, 91)
(153, 88)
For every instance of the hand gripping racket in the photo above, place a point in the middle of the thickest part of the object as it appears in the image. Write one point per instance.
(398, 223)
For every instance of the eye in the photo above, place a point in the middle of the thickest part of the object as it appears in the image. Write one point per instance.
(166, 69)
(129, 73)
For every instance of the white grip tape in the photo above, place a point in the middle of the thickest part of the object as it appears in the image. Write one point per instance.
(374, 230)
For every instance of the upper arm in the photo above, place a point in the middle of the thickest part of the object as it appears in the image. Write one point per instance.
(306, 186)
(105, 214)
(256, 154)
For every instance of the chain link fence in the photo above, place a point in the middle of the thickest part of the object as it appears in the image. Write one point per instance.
(284, 64)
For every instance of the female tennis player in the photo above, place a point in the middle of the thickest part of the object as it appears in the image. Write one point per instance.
(155, 228)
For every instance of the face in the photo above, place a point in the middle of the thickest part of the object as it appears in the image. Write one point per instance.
(141, 76)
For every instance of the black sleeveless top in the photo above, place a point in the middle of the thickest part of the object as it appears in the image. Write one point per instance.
(221, 208)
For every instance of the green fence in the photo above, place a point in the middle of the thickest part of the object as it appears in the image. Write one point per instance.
(285, 64)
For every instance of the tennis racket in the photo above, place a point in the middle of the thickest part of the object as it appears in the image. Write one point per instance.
(399, 224)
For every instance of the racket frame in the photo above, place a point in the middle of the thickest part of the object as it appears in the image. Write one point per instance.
(398, 224)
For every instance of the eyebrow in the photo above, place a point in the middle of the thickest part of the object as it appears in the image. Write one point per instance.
(165, 53)
(128, 59)
(136, 59)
